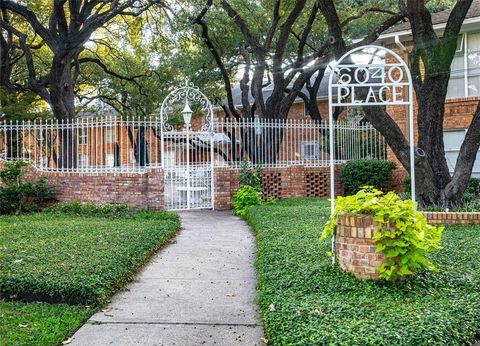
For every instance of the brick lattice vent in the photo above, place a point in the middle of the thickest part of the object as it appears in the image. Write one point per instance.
(317, 184)
(355, 248)
(272, 185)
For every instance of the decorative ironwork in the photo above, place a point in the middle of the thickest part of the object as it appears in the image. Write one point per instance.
(186, 93)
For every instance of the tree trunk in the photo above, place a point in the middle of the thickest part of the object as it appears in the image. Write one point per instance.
(431, 111)
(62, 88)
(62, 101)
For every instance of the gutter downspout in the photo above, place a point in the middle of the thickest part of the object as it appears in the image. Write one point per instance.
(403, 49)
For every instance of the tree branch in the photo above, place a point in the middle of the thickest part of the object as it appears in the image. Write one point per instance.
(32, 19)
(363, 12)
(456, 18)
(104, 67)
(216, 55)
(242, 25)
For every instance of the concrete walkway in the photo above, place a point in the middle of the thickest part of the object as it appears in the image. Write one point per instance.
(200, 290)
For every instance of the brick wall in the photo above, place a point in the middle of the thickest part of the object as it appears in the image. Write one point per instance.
(226, 183)
(355, 248)
(137, 190)
(294, 181)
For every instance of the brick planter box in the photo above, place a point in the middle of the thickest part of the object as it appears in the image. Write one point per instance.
(355, 248)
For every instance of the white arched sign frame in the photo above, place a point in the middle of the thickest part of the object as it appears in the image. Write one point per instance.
(345, 87)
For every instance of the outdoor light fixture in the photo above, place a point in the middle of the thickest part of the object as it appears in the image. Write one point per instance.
(187, 114)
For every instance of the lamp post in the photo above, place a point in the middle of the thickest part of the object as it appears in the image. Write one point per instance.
(187, 119)
(187, 115)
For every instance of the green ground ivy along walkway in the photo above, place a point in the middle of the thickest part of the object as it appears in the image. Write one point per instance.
(306, 301)
(198, 290)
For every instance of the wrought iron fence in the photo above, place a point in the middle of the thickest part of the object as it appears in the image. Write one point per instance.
(282, 143)
(133, 145)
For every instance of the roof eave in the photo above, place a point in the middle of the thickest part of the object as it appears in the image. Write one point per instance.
(466, 26)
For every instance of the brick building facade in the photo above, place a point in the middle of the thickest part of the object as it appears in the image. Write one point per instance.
(464, 87)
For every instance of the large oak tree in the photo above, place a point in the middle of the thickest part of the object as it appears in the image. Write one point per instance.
(65, 31)
(431, 58)
(282, 45)
(64, 26)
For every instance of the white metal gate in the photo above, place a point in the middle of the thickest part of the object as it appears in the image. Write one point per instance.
(187, 149)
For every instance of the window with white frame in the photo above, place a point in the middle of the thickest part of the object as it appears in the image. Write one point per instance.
(465, 69)
(42, 161)
(83, 160)
(82, 136)
(132, 156)
(453, 140)
(109, 159)
(109, 135)
(309, 150)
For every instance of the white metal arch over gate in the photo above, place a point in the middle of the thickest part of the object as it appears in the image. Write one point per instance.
(186, 117)
(365, 78)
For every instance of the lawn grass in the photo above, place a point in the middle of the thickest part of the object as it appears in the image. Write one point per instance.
(39, 324)
(76, 259)
(306, 301)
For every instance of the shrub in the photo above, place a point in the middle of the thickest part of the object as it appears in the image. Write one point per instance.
(250, 176)
(404, 246)
(18, 195)
(89, 209)
(247, 196)
(470, 201)
(473, 186)
(357, 173)
(471, 194)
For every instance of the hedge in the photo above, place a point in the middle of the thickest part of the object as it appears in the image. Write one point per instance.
(357, 173)
(304, 300)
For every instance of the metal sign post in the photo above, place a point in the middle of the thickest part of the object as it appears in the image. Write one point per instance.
(370, 81)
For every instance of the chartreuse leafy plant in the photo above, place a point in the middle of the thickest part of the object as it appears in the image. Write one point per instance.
(404, 235)
(250, 192)
(246, 197)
